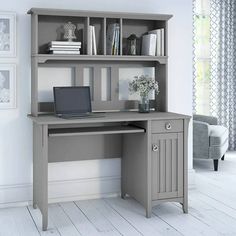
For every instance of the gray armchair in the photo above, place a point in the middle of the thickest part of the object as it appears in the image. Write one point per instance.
(210, 141)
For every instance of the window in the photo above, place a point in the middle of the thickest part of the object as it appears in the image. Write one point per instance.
(202, 58)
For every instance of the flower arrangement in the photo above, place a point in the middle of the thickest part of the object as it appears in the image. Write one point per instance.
(143, 85)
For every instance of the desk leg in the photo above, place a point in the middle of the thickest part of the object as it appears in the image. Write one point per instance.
(40, 168)
(148, 212)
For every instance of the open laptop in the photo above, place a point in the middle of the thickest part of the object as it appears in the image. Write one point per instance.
(73, 102)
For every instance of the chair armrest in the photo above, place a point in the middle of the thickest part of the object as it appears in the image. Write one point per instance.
(211, 120)
(200, 139)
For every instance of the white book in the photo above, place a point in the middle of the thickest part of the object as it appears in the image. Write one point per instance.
(162, 42)
(149, 45)
(65, 43)
(94, 46)
(117, 40)
(157, 32)
(63, 49)
(66, 52)
(90, 40)
(115, 43)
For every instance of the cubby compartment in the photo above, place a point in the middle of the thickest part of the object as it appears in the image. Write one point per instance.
(113, 38)
(50, 28)
(99, 27)
(139, 28)
(98, 70)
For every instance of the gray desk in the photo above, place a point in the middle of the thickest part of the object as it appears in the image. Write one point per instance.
(153, 148)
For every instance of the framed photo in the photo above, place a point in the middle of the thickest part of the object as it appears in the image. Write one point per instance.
(7, 86)
(7, 34)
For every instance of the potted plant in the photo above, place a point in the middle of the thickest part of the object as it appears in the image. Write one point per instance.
(143, 85)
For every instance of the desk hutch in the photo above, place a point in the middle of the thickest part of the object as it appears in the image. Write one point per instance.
(152, 146)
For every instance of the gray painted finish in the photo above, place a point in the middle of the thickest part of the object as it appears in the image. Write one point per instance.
(86, 147)
(110, 117)
(167, 166)
(62, 12)
(145, 178)
(46, 26)
(169, 126)
(40, 171)
(43, 58)
(56, 139)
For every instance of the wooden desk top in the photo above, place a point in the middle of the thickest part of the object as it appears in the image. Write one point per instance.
(109, 117)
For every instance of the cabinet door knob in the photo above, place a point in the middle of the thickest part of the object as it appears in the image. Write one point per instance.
(155, 148)
(168, 126)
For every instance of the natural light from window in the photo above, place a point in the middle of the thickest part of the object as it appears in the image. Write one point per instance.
(202, 55)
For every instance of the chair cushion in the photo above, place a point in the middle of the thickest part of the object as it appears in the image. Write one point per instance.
(218, 135)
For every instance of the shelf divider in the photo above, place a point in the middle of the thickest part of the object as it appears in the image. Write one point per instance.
(104, 36)
(121, 36)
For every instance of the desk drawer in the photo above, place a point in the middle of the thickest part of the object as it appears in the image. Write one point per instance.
(167, 126)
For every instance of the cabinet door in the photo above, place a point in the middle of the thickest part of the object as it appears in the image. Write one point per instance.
(167, 165)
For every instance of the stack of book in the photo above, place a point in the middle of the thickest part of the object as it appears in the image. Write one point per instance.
(153, 43)
(64, 47)
(92, 47)
(113, 39)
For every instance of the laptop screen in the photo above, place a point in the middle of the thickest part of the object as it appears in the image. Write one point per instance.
(72, 100)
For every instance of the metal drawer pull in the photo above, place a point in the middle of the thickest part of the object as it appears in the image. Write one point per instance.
(168, 126)
(155, 148)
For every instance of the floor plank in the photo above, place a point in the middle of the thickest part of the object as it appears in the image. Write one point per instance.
(17, 222)
(184, 223)
(218, 220)
(80, 220)
(37, 217)
(96, 218)
(61, 221)
(119, 222)
(220, 206)
(135, 214)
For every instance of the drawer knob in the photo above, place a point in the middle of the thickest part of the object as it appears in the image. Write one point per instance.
(168, 126)
(155, 148)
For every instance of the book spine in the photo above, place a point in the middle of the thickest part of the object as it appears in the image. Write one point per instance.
(94, 41)
(153, 43)
(149, 45)
(65, 52)
(114, 42)
(89, 44)
(162, 42)
(64, 46)
(63, 49)
(117, 39)
(65, 43)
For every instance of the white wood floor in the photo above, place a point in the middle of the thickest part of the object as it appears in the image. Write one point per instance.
(212, 211)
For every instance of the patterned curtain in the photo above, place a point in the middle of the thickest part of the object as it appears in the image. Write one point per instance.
(223, 65)
(194, 104)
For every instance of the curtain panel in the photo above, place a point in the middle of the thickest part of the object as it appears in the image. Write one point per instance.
(223, 65)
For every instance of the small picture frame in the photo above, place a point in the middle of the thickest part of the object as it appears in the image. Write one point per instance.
(7, 86)
(7, 34)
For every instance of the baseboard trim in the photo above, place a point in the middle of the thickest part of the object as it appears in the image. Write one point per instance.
(69, 190)
(191, 179)
(61, 191)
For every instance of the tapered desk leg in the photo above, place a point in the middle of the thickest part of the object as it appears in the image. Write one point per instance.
(185, 207)
(40, 168)
(148, 212)
(185, 200)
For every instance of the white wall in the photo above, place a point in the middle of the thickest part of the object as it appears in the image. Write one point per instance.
(15, 127)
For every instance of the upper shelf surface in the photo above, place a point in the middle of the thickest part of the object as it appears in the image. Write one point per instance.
(43, 58)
